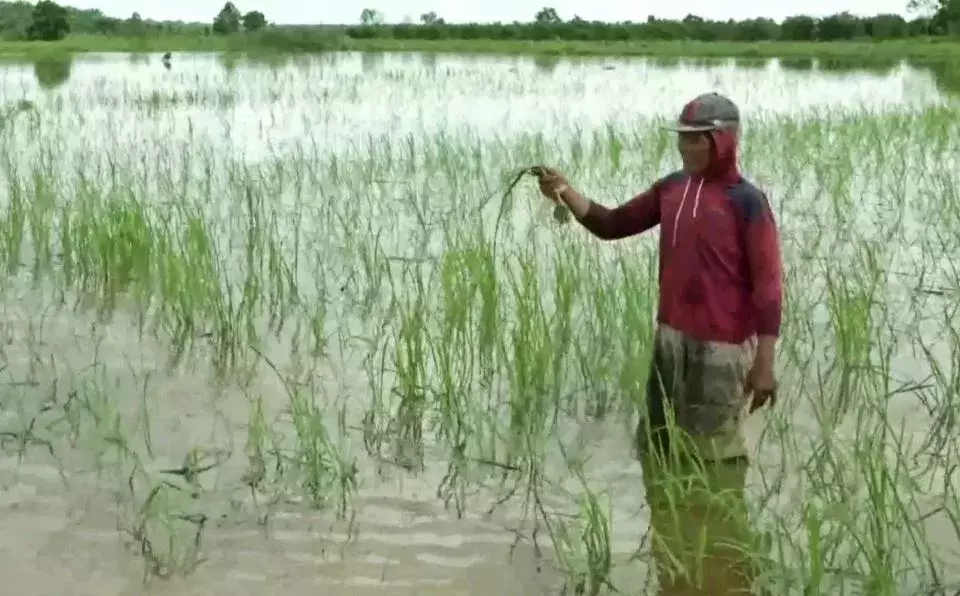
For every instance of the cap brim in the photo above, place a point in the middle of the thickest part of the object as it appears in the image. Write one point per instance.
(690, 127)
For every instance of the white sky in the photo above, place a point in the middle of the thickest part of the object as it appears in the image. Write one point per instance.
(320, 11)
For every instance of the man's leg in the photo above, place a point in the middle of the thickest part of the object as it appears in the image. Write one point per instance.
(700, 528)
(695, 480)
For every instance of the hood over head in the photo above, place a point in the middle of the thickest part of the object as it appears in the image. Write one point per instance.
(719, 117)
(723, 155)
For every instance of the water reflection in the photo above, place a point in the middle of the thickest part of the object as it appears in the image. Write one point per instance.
(799, 64)
(665, 61)
(268, 60)
(229, 62)
(428, 61)
(546, 63)
(376, 62)
(751, 63)
(52, 73)
(135, 59)
(849, 64)
(945, 74)
(372, 62)
(399, 89)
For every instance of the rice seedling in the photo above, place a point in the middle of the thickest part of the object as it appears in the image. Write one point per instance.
(361, 310)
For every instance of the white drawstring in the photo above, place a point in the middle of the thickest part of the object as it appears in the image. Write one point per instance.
(696, 206)
(676, 220)
(696, 200)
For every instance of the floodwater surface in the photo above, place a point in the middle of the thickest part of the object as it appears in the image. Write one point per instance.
(301, 273)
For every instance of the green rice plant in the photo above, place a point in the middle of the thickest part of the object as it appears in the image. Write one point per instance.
(585, 558)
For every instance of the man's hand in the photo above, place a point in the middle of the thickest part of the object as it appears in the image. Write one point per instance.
(761, 384)
(555, 187)
(553, 184)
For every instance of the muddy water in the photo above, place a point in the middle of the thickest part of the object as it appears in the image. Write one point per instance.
(262, 112)
(60, 514)
(59, 522)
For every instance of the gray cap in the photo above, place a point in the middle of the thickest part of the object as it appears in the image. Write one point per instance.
(710, 111)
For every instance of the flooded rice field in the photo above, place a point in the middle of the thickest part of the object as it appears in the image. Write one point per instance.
(272, 326)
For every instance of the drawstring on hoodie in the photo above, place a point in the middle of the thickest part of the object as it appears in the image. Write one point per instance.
(696, 206)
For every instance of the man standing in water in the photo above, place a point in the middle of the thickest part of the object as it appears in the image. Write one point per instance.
(713, 355)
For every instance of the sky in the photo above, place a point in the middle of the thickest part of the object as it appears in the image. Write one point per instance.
(314, 12)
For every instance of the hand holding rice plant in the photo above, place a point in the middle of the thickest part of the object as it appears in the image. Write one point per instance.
(555, 187)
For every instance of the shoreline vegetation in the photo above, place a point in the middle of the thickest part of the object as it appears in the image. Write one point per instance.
(48, 29)
(922, 49)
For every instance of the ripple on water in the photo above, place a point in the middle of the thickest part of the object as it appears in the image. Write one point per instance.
(48, 550)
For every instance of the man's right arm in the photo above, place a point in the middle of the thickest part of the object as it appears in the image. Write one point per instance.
(637, 215)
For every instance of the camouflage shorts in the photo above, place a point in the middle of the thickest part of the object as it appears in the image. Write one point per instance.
(696, 388)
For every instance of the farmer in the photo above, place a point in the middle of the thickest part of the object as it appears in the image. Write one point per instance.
(713, 350)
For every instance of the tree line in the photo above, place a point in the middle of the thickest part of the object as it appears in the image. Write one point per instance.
(940, 17)
(48, 20)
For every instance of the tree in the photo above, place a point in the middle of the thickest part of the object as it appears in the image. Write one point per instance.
(840, 26)
(134, 26)
(371, 16)
(924, 8)
(547, 15)
(254, 21)
(227, 20)
(106, 26)
(800, 28)
(757, 30)
(887, 26)
(49, 22)
(942, 15)
(947, 19)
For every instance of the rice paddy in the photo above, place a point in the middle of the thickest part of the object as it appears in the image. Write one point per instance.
(271, 327)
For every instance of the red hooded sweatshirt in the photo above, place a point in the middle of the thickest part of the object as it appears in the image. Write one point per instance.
(720, 265)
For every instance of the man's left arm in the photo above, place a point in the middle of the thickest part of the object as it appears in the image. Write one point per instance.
(766, 273)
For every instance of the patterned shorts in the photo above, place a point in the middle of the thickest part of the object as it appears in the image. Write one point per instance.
(695, 395)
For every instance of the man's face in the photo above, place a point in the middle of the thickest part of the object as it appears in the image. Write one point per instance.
(694, 150)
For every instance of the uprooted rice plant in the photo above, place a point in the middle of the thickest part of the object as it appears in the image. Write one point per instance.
(369, 306)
